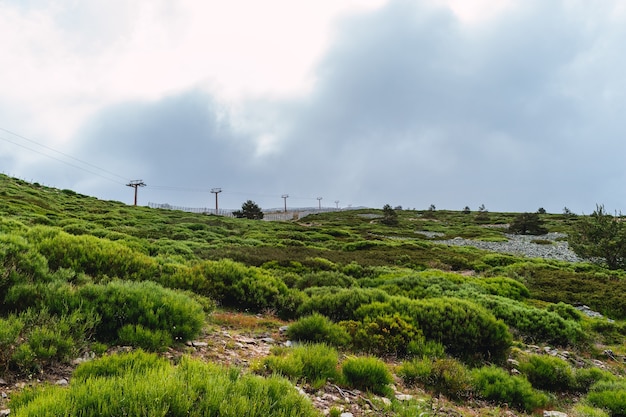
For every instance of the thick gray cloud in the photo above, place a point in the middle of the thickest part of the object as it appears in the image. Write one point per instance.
(411, 106)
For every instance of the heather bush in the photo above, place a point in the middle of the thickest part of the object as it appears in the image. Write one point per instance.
(532, 323)
(10, 330)
(367, 374)
(497, 385)
(325, 279)
(97, 257)
(386, 335)
(465, 329)
(317, 328)
(114, 365)
(233, 284)
(549, 373)
(19, 263)
(339, 303)
(585, 378)
(146, 304)
(313, 363)
(609, 395)
(191, 389)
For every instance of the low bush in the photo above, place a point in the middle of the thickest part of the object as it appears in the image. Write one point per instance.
(325, 279)
(442, 376)
(339, 303)
(191, 389)
(233, 285)
(609, 395)
(585, 378)
(317, 328)
(415, 371)
(495, 384)
(10, 330)
(585, 410)
(20, 263)
(386, 335)
(367, 374)
(465, 329)
(533, 324)
(314, 363)
(549, 373)
(97, 257)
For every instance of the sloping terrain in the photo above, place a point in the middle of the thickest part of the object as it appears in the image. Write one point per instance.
(362, 315)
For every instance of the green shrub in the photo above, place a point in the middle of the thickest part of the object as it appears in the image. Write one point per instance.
(146, 304)
(495, 384)
(10, 329)
(449, 377)
(548, 373)
(317, 328)
(138, 336)
(567, 311)
(339, 303)
(465, 329)
(533, 324)
(325, 279)
(233, 284)
(117, 365)
(382, 335)
(609, 395)
(97, 257)
(314, 363)
(192, 389)
(45, 338)
(415, 371)
(161, 313)
(367, 374)
(420, 347)
(585, 410)
(585, 378)
(19, 263)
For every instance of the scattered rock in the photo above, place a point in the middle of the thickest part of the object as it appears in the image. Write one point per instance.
(346, 415)
(385, 401)
(283, 329)
(62, 382)
(554, 414)
(268, 340)
(5, 412)
(198, 344)
(404, 397)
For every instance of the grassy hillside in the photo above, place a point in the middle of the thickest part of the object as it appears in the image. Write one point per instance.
(370, 303)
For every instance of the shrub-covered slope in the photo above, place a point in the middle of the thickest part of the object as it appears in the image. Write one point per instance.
(82, 275)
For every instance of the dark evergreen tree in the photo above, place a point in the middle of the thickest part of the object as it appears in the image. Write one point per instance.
(249, 210)
(390, 217)
(600, 237)
(528, 224)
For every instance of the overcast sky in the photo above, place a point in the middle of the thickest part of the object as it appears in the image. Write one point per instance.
(512, 104)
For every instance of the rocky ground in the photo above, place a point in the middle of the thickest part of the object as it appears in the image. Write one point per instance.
(548, 246)
(241, 339)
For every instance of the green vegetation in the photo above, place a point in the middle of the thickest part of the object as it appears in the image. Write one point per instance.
(601, 237)
(249, 210)
(360, 290)
(191, 388)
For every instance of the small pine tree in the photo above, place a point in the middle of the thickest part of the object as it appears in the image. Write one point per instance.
(249, 210)
(466, 210)
(390, 217)
(528, 224)
(600, 237)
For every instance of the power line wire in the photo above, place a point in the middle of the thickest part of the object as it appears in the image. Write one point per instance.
(60, 160)
(58, 152)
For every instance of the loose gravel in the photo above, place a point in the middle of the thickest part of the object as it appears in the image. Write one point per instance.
(524, 245)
